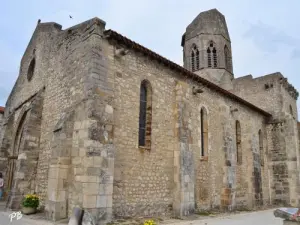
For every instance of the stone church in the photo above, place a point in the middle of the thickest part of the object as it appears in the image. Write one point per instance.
(99, 121)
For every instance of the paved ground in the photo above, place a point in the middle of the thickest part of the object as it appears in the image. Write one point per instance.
(252, 218)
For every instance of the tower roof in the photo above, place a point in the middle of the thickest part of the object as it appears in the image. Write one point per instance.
(208, 22)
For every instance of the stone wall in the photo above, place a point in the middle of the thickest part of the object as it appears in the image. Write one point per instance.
(22, 161)
(82, 159)
(61, 68)
(150, 182)
(269, 88)
(143, 180)
(68, 66)
(282, 131)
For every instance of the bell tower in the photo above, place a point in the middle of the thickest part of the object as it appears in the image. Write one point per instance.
(207, 48)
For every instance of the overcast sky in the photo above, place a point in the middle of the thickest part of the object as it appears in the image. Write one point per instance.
(264, 34)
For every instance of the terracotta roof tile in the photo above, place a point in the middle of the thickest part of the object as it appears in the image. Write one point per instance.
(2, 109)
(110, 34)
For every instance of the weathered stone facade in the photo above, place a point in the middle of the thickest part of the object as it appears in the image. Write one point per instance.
(74, 131)
(1, 123)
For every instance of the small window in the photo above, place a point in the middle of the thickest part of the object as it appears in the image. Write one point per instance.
(261, 147)
(239, 156)
(145, 115)
(31, 69)
(204, 132)
(291, 110)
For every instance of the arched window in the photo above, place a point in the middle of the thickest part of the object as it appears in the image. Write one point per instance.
(239, 156)
(212, 54)
(227, 58)
(31, 68)
(195, 59)
(204, 132)
(145, 115)
(261, 147)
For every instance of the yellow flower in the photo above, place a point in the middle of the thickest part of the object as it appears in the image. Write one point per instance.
(32, 196)
(149, 222)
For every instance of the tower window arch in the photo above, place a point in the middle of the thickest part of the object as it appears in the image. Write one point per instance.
(227, 58)
(195, 61)
(212, 58)
(145, 116)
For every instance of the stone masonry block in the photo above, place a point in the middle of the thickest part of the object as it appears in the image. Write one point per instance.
(89, 201)
(63, 173)
(90, 188)
(109, 201)
(78, 171)
(87, 179)
(101, 201)
(88, 161)
(64, 161)
(53, 172)
(98, 161)
(61, 196)
(55, 184)
(82, 152)
(76, 160)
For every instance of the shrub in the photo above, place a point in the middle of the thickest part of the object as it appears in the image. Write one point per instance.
(32, 201)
